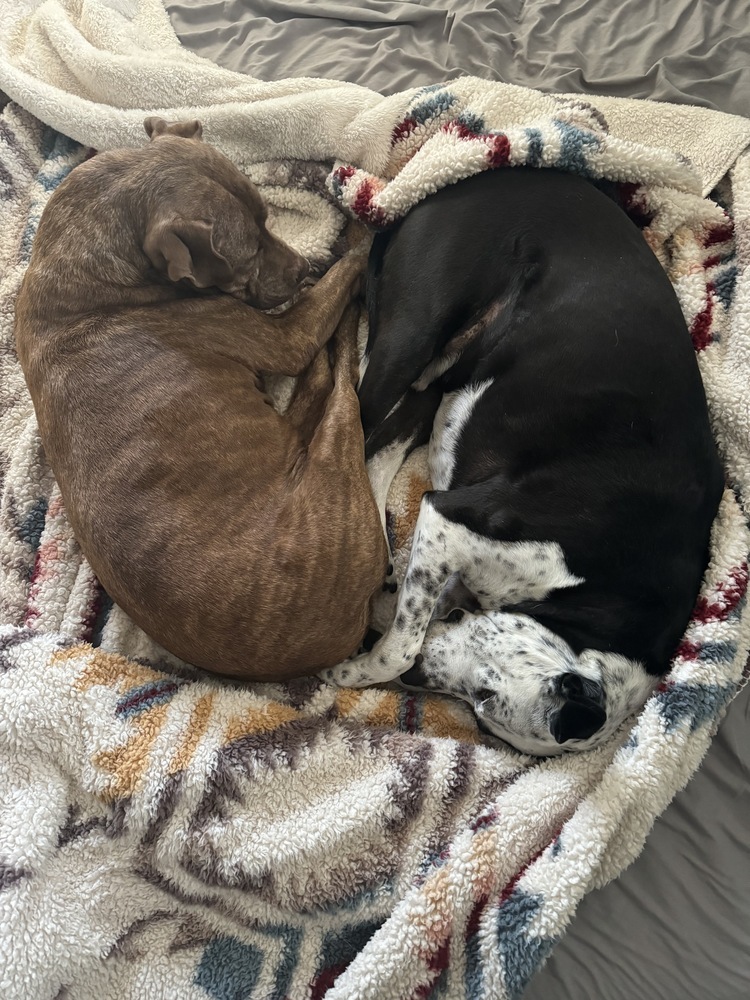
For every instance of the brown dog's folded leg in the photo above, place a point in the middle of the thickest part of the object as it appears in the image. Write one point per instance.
(352, 559)
(346, 356)
(316, 385)
(310, 396)
(279, 345)
(339, 437)
(310, 323)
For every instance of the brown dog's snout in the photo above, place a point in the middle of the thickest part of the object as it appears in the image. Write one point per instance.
(289, 265)
(280, 273)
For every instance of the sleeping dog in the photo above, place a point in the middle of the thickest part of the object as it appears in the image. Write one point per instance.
(520, 322)
(208, 517)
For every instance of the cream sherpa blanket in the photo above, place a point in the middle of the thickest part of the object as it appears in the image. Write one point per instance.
(165, 835)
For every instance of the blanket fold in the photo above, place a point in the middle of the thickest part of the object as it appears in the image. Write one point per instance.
(165, 834)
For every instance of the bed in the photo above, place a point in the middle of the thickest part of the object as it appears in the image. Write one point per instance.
(676, 925)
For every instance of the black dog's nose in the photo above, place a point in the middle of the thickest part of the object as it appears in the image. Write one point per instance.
(583, 713)
(576, 688)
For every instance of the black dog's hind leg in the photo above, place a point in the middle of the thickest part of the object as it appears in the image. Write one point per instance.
(498, 568)
(409, 326)
(407, 427)
(438, 551)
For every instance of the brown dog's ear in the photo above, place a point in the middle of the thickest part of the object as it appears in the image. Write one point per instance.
(185, 249)
(187, 130)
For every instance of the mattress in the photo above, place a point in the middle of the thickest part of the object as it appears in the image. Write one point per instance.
(676, 925)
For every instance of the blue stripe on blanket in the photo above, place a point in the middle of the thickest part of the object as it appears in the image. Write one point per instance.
(700, 704)
(536, 147)
(522, 953)
(576, 145)
(229, 969)
(433, 106)
(145, 697)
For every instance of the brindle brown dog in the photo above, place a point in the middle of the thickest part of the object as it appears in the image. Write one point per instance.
(244, 542)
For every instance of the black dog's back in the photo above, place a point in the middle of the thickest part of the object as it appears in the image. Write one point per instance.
(593, 428)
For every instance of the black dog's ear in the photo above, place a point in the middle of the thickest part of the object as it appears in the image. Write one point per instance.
(576, 687)
(577, 720)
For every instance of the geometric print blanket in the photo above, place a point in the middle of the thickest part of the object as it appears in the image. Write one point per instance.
(165, 834)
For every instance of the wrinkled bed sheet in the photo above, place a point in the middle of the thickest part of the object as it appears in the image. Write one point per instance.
(677, 923)
(692, 51)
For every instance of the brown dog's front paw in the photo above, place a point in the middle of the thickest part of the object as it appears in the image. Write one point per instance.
(350, 271)
(358, 286)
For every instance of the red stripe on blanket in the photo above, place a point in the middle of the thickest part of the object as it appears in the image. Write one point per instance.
(32, 611)
(322, 984)
(363, 207)
(484, 819)
(402, 130)
(508, 890)
(719, 234)
(700, 330)
(144, 696)
(728, 596)
(499, 150)
(460, 129)
(631, 198)
(342, 174)
(436, 963)
(45, 559)
(687, 650)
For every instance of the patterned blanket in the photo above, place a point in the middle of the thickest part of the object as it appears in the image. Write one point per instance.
(167, 835)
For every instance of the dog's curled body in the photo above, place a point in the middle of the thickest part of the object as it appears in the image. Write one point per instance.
(521, 323)
(243, 541)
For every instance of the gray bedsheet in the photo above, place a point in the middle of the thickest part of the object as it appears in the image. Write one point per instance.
(695, 51)
(676, 925)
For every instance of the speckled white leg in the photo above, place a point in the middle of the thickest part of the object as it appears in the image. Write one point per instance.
(497, 572)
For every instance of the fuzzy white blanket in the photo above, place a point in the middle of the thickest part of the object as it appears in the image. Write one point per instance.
(167, 835)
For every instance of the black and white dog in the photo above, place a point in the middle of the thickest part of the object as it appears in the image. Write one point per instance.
(520, 322)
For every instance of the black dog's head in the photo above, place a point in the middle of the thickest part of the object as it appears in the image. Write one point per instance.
(527, 686)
